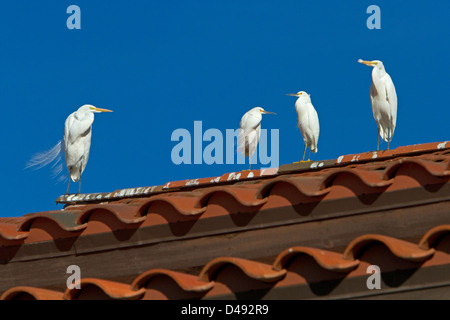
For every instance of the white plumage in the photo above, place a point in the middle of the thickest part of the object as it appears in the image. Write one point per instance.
(308, 121)
(250, 131)
(384, 101)
(76, 143)
(77, 140)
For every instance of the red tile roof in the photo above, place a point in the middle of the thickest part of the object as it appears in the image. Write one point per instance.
(247, 194)
(216, 280)
(342, 205)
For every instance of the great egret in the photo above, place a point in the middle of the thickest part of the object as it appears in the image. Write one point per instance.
(250, 131)
(75, 144)
(384, 101)
(308, 121)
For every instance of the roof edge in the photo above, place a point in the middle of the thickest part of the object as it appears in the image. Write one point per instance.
(248, 175)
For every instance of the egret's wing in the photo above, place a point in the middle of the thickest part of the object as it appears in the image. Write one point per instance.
(75, 129)
(248, 140)
(391, 97)
(308, 122)
(373, 92)
(313, 120)
(67, 125)
(249, 121)
(315, 128)
(77, 141)
(249, 131)
(376, 110)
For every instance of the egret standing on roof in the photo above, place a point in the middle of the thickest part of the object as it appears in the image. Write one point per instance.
(76, 143)
(384, 101)
(250, 131)
(308, 121)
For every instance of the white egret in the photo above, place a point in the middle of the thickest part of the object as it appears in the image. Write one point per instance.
(308, 121)
(250, 131)
(384, 101)
(75, 144)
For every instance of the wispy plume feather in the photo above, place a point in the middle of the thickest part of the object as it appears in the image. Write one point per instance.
(52, 156)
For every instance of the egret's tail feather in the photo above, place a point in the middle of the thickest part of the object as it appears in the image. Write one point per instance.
(42, 159)
(386, 135)
(57, 169)
(53, 155)
(387, 132)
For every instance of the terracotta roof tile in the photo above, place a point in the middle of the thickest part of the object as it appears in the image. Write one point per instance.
(326, 259)
(8, 230)
(186, 203)
(254, 270)
(30, 293)
(278, 275)
(306, 186)
(400, 248)
(112, 289)
(432, 168)
(122, 212)
(65, 219)
(186, 282)
(433, 236)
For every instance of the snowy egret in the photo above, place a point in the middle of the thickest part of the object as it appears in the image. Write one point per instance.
(307, 120)
(75, 144)
(250, 131)
(384, 101)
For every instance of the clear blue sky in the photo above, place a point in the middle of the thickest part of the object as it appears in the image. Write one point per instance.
(161, 65)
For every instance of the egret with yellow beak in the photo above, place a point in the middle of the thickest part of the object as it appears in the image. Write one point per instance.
(76, 143)
(250, 131)
(77, 140)
(384, 101)
(308, 121)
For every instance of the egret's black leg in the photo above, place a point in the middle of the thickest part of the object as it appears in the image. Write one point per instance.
(304, 152)
(378, 142)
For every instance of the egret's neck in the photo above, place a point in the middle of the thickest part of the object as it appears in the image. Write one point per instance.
(304, 99)
(378, 73)
(84, 115)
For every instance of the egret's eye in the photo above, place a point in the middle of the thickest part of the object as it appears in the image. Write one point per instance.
(300, 93)
(261, 110)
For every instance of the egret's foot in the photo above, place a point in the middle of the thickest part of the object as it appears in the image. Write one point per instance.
(302, 161)
(247, 170)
